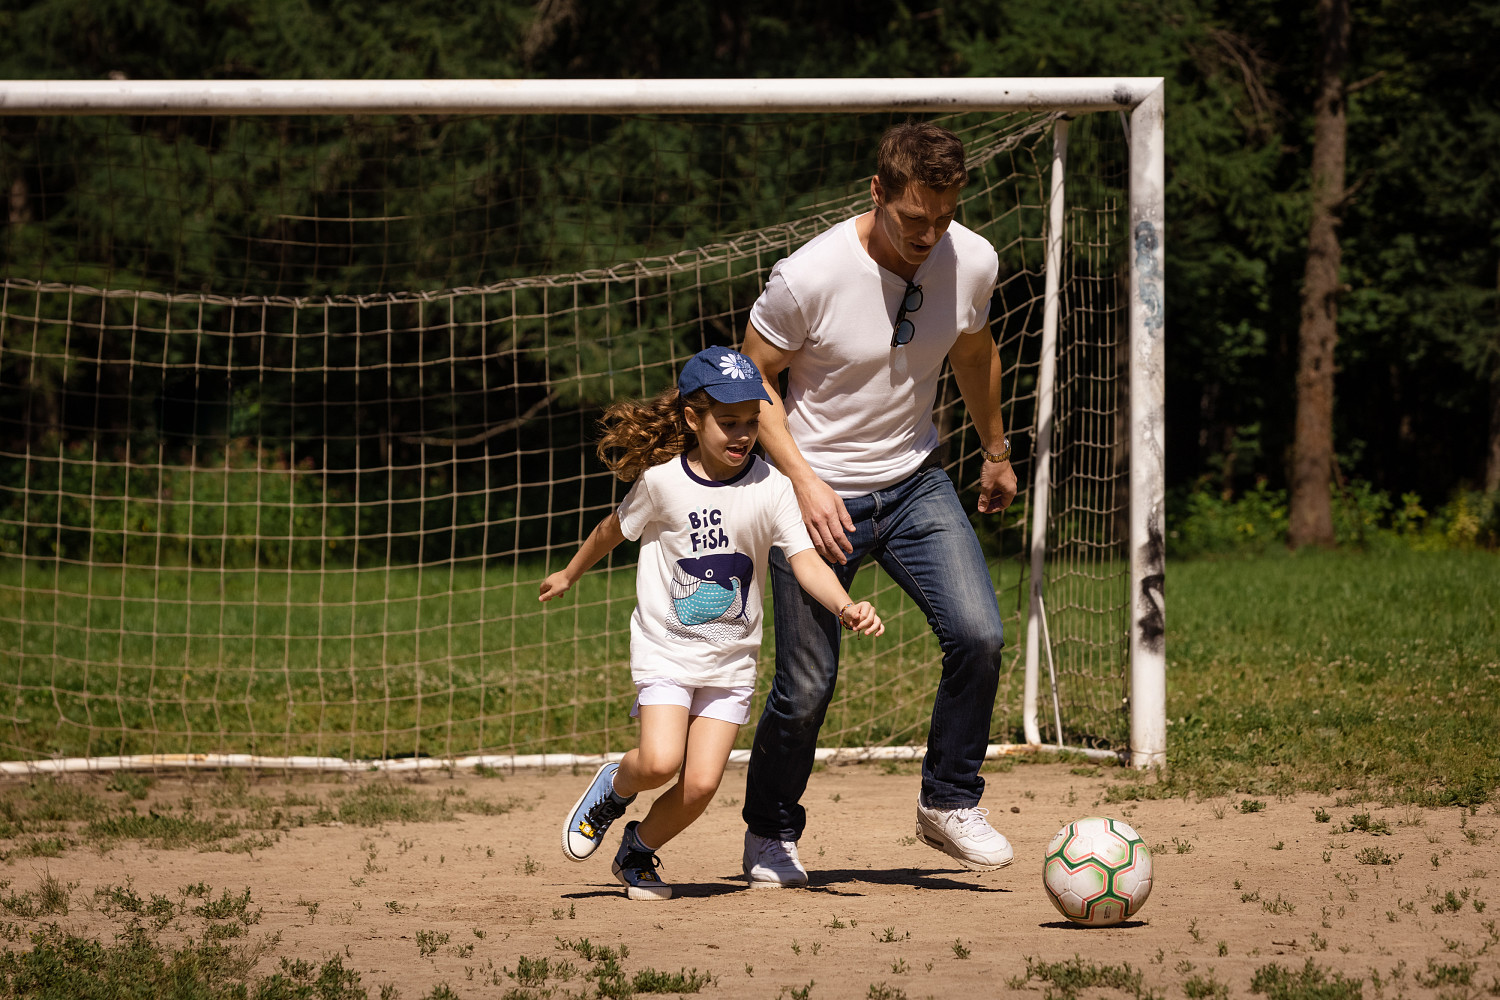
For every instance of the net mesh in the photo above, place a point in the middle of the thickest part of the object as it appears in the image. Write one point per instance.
(295, 414)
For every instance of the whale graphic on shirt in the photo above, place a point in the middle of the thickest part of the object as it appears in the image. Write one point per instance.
(713, 587)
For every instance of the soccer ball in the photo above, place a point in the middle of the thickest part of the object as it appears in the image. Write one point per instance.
(1097, 872)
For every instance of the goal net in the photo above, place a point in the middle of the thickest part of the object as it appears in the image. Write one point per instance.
(297, 410)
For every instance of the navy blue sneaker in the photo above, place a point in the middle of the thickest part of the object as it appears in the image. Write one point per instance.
(635, 867)
(592, 814)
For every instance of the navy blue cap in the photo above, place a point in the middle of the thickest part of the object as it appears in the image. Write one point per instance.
(728, 375)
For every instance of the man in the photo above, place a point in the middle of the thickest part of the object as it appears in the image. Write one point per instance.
(861, 320)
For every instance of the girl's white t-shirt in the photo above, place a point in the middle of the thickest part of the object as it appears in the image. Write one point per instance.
(699, 583)
(859, 409)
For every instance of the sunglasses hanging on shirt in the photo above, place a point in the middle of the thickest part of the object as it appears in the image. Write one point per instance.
(905, 329)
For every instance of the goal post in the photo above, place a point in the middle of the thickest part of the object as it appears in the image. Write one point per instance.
(363, 448)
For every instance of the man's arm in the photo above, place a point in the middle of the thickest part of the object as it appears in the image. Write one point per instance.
(976, 369)
(827, 520)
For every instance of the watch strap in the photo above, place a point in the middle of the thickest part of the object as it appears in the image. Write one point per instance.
(1003, 455)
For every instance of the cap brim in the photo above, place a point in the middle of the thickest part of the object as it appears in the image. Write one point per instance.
(738, 392)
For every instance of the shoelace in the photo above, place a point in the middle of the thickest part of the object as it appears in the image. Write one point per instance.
(603, 813)
(643, 863)
(972, 820)
(788, 848)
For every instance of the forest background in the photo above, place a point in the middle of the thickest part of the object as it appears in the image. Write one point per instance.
(1417, 417)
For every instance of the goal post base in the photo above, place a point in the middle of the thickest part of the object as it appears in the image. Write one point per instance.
(506, 762)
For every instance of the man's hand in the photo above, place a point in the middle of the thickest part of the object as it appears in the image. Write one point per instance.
(997, 487)
(828, 520)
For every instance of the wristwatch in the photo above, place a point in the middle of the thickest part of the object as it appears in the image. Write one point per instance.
(1003, 455)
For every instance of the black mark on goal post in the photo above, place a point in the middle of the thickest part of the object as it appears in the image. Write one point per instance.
(1150, 601)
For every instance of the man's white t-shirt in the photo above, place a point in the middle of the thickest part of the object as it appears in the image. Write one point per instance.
(859, 409)
(698, 587)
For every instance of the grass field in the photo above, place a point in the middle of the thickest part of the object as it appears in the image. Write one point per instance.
(1305, 671)
(367, 664)
(1342, 669)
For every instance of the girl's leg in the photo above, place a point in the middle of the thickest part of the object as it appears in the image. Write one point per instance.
(664, 733)
(708, 744)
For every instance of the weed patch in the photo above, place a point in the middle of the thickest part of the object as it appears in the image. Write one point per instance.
(1311, 982)
(45, 807)
(683, 981)
(1069, 979)
(159, 830)
(53, 898)
(378, 803)
(134, 785)
(1198, 987)
(1439, 974)
(60, 963)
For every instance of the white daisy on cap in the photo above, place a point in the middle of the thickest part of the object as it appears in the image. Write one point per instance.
(737, 366)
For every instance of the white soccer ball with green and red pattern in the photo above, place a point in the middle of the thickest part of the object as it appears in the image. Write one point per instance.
(1097, 872)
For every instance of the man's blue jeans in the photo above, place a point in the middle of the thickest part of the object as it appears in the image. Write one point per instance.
(919, 534)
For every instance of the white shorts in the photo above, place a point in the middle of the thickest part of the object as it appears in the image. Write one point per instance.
(729, 704)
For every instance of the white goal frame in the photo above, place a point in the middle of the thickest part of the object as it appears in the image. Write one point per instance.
(1139, 100)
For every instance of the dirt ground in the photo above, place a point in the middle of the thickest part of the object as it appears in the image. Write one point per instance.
(884, 916)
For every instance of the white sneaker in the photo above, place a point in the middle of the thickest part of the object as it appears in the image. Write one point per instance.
(772, 862)
(964, 835)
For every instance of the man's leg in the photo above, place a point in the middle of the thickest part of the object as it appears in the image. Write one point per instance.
(929, 549)
(807, 656)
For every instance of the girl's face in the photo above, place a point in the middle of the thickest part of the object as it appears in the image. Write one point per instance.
(726, 433)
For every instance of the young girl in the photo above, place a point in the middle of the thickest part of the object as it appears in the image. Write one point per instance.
(707, 513)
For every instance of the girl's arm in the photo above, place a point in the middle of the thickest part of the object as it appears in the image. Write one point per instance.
(601, 541)
(818, 580)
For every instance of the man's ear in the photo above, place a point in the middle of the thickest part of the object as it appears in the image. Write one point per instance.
(876, 192)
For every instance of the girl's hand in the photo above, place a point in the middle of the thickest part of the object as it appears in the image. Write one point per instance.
(861, 617)
(555, 586)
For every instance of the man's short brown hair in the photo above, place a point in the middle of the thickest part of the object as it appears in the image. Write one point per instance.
(922, 152)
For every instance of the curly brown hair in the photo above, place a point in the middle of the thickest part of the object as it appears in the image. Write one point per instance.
(639, 433)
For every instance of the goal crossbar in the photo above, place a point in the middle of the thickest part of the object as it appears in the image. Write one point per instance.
(322, 97)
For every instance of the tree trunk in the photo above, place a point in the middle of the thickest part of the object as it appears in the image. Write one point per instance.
(1492, 464)
(19, 203)
(1492, 458)
(1311, 515)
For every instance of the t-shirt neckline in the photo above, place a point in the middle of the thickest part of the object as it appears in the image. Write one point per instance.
(885, 273)
(704, 481)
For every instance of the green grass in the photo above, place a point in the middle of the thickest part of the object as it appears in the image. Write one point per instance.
(1311, 982)
(1068, 980)
(60, 964)
(1332, 670)
(162, 832)
(367, 664)
(377, 804)
(1363, 671)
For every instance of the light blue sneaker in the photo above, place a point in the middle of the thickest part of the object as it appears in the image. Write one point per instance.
(592, 814)
(635, 867)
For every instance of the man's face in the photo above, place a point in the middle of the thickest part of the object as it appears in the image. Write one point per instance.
(913, 221)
